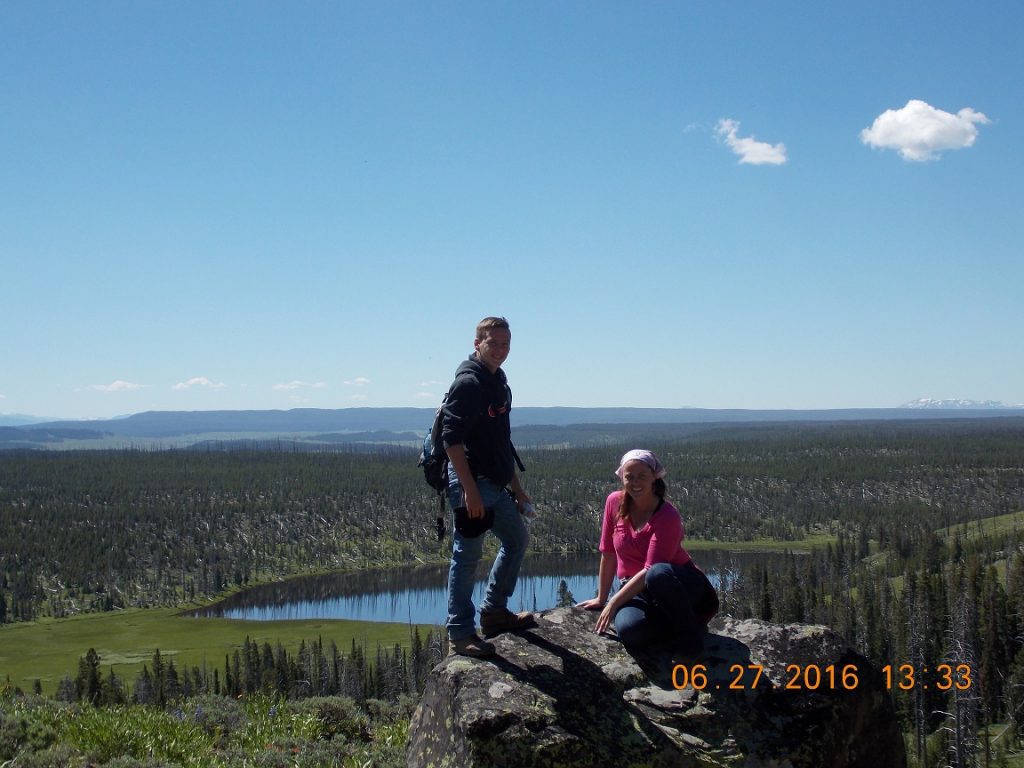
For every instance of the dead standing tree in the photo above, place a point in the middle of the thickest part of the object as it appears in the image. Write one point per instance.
(962, 720)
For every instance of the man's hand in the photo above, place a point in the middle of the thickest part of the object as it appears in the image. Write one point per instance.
(470, 493)
(474, 502)
(521, 496)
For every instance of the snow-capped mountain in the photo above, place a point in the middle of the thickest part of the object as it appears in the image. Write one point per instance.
(954, 404)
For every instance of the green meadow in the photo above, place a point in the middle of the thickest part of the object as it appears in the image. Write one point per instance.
(48, 649)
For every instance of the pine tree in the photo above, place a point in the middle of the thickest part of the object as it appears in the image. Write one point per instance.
(159, 680)
(172, 684)
(144, 691)
(112, 692)
(88, 683)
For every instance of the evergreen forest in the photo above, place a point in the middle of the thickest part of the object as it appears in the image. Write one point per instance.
(906, 537)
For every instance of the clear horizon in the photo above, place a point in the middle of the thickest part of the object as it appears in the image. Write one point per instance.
(223, 207)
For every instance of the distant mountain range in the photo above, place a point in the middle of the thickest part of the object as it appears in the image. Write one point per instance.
(313, 427)
(21, 419)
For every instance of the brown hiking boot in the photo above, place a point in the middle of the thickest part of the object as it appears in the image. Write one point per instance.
(503, 620)
(472, 646)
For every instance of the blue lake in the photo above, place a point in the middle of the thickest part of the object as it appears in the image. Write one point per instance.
(419, 594)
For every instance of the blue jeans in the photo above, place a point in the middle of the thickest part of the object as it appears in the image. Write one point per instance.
(663, 613)
(513, 535)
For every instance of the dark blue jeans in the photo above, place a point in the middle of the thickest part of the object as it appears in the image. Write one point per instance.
(664, 612)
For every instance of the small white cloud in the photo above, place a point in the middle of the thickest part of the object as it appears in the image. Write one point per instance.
(117, 386)
(299, 385)
(359, 397)
(359, 381)
(431, 383)
(199, 381)
(749, 151)
(920, 132)
(425, 395)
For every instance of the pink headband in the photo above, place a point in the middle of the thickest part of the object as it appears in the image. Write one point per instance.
(647, 457)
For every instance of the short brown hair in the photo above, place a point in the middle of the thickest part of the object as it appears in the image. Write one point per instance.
(489, 323)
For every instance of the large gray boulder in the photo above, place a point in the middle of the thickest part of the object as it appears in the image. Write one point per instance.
(561, 696)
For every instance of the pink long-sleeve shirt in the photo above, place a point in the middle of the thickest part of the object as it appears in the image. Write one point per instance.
(659, 540)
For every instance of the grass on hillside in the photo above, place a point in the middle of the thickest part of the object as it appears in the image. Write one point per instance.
(48, 649)
(812, 541)
(986, 526)
(972, 531)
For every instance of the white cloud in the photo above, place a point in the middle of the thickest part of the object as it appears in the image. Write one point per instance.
(117, 386)
(199, 381)
(425, 395)
(749, 151)
(920, 132)
(299, 385)
(359, 381)
(359, 397)
(433, 383)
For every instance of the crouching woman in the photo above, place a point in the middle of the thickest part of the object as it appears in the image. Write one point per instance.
(664, 599)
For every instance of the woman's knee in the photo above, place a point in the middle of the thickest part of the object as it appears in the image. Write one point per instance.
(658, 575)
(633, 627)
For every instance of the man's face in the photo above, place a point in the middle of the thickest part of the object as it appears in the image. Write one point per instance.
(493, 348)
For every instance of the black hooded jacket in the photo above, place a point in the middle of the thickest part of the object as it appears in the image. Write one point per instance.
(476, 416)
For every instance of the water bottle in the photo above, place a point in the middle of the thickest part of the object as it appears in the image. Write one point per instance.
(528, 511)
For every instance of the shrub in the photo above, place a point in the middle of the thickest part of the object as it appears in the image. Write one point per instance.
(57, 756)
(132, 762)
(219, 716)
(338, 715)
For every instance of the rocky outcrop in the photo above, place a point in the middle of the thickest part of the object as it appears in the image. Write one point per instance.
(559, 695)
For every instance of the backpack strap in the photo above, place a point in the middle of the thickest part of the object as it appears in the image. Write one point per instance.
(515, 455)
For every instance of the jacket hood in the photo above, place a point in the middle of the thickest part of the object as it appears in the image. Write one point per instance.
(478, 369)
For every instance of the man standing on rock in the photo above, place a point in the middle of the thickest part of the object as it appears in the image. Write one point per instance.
(484, 492)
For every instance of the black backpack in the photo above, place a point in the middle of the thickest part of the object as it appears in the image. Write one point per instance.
(433, 458)
(434, 463)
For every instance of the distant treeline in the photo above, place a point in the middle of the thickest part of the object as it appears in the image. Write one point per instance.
(316, 669)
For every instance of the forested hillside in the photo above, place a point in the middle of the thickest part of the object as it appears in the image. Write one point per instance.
(909, 577)
(97, 530)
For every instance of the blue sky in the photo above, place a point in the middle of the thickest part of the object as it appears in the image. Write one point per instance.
(310, 204)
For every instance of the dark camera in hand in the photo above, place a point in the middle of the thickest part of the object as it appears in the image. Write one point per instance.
(471, 527)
